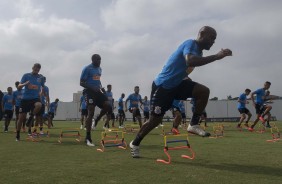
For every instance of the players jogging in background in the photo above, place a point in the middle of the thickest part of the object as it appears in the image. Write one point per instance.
(94, 94)
(181, 106)
(146, 108)
(17, 96)
(109, 95)
(258, 103)
(134, 100)
(172, 84)
(121, 114)
(83, 111)
(8, 108)
(32, 83)
(242, 101)
(45, 101)
(52, 112)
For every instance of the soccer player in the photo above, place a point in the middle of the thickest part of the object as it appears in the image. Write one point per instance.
(134, 100)
(242, 101)
(258, 103)
(146, 108)
(7, 106)
(1, 97)
(52, 112)
(45, 101)
(171, 84)
(109, 117)
(94, 93)
(17, 96)
(84, 112)
(121, 111)
(32, 83)
(181, 106)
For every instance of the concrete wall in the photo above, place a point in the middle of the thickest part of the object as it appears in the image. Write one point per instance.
(221, 108)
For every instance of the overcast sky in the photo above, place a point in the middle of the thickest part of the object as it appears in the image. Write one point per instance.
(135, 38)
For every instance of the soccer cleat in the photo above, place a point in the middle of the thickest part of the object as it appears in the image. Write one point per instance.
(93, 127)
(41, 132)
(251, 129)
(196, 129)
(17, 138)
(161, 125)
(175, 131)
(81, 127)
(134, 150)
(89, 143)
(262, 120)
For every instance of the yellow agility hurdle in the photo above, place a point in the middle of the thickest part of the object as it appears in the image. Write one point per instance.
(112, 138)
(218, 131)
(275, 133)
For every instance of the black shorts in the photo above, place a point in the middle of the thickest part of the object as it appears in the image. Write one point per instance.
(84, 112)
(243, 111)
(121, 113)
(8, 114)
(183, 115)
(17, 110)
(135, 112)
(162, 99)
(27, 105)
(146, 114)
(42, 110)
(51, 115)
(94, 98)
(113, 116)
(259, 109)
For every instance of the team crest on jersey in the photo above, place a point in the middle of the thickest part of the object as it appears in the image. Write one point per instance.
(158, 110)
(39, 80)
(20, 110)
(90, 101)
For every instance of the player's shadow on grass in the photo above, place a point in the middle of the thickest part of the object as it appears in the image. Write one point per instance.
(254, 169)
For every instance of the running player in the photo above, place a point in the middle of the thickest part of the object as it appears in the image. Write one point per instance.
(169, 84)
(83, 111)
(121, 114)
(7, 106)
(17, 96)
(32, 83)
(242, 101)
(45, 100)
(94, 93)
(146, 108)
(52, 112)
(134, 100)
(258, 103)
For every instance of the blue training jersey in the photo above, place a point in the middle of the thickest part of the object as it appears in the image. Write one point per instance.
(181, 106)
(53, 107)
(134, 99)
(242, 97)
(83, 102)
(260, 93)
(146, 105)
(32, 90)
(174, 71)
(120, 104)
(45, 91)
(8, 102)
(92, 76)
(109, 94)
(18, 95)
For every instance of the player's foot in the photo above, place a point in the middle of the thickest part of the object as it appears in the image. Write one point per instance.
(180, 126)
(175, 131)
(89, 143)
(105, 128)
(41, 132)
(93, 127)
(17, 138)
(251, 129)
(120, 127)
(134, 150)
(6, 130)
(196, 129)
(239, 126)
(262, 120)
(81, 127)
(156, 127)
(161, 125)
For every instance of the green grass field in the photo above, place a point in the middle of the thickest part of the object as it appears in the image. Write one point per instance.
(239, 157)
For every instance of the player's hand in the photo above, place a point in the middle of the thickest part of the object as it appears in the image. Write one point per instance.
(26, 83)
(223, 53)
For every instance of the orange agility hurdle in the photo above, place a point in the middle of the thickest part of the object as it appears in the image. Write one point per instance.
(275, 133)
(166, 148)
(70, 133)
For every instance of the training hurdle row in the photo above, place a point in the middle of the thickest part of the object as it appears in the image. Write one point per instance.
(275, 133)
(70, 133)
(36, 137)
(112, 138)
(171, 139)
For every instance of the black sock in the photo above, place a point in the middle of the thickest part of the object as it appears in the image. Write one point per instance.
(195, 119)
(247, 122)
(18, 134)
(40, 128)
(88, 135)
(137, 140)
